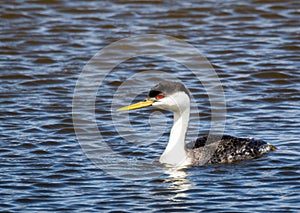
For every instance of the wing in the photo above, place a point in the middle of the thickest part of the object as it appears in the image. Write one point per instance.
(231, 149)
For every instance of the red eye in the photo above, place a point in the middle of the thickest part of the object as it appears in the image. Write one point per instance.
(160, 96)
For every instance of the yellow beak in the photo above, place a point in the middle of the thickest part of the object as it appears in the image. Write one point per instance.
(137, 105)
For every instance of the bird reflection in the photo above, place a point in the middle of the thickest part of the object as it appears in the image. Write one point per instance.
(180, 183)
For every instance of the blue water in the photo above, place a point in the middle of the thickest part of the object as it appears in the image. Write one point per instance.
(254, 49)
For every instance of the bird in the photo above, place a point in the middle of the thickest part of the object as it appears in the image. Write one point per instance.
(209, 149)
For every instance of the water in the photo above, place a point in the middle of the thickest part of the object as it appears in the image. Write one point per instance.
(254, 48)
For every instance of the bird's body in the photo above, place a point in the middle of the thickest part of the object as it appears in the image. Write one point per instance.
(175, 97)
(228, 149)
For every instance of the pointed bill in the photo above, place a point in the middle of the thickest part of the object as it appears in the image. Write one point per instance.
(137, 105)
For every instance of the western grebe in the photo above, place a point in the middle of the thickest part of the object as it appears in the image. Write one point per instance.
(175, 97)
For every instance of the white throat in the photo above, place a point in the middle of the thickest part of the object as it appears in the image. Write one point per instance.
(175, 152)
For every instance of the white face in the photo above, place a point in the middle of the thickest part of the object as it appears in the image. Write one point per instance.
(178, 101)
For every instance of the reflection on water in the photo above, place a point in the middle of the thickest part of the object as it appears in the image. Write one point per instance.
(254, 47)
(179, 182)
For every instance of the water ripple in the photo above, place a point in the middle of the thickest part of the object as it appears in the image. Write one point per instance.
(254, 47)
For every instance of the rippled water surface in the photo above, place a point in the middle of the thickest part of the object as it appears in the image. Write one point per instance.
(254, 47)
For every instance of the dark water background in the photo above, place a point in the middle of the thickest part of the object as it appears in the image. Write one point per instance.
(254, 47)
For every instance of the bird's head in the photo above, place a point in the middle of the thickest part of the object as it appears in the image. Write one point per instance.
(166, 95)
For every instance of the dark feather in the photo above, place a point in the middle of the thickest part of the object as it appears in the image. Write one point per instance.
(228, 148)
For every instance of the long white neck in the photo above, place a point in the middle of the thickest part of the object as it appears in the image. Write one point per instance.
(175, 152)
